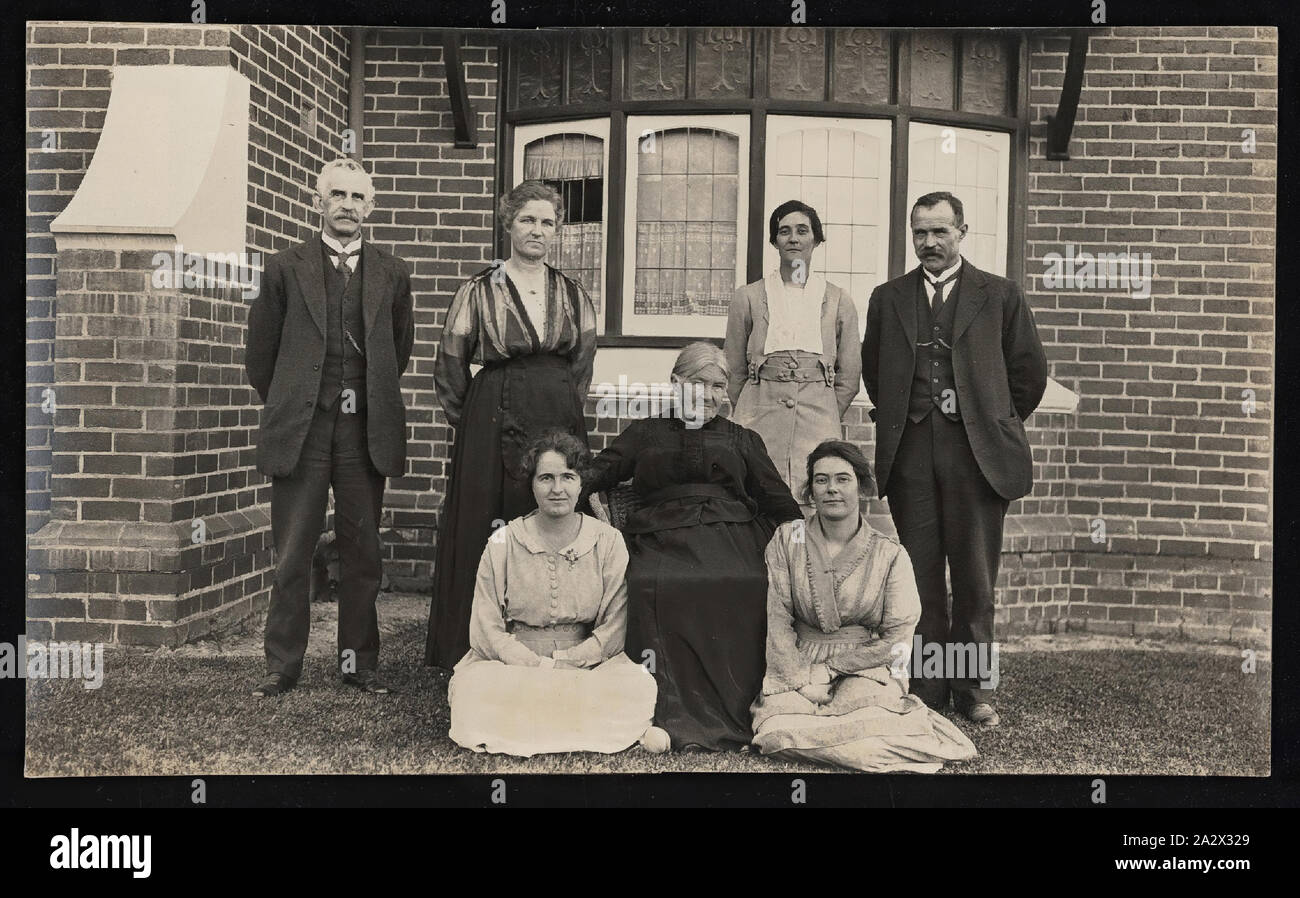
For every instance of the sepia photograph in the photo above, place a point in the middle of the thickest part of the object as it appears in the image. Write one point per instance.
(802, 399)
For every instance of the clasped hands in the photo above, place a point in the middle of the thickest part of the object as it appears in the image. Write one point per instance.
(563, 660)
(819, 690)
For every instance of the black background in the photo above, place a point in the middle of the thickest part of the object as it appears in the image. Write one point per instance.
(1058, 849)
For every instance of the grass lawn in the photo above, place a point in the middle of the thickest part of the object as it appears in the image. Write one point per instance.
(1066, 707)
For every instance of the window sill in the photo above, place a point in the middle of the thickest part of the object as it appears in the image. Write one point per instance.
(620, 367)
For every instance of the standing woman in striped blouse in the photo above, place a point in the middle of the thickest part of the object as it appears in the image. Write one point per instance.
(533, 331)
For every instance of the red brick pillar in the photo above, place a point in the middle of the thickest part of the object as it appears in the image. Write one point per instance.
(155, 535)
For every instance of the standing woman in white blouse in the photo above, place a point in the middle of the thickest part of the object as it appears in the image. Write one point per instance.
(793, 348)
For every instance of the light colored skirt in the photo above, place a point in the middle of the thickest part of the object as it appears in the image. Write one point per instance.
(526, 711)
(870, 724)
(791, 417)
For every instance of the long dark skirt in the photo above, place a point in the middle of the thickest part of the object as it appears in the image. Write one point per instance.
(507, 406)
(697, 599)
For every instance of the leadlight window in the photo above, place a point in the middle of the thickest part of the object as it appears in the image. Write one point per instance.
(687, 193)
(857, 122)
(573, 162)
(975, 167)
(840, 167)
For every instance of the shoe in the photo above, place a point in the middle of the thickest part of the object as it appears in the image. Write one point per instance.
(274, 684)
(655, 740)
(367, 680)
(982, 713)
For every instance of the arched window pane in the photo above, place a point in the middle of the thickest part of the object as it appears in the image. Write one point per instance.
(840, 167)
(975, 167)
(574, 164)
(689, 186)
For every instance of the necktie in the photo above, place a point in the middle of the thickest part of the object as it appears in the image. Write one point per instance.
(346, 273)
(936, 301)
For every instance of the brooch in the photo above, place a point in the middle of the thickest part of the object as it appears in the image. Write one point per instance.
(570, 556)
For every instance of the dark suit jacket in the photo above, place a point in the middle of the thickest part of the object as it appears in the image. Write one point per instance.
(285, 350)
(998, 364)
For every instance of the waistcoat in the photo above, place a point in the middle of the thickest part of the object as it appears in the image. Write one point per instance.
(345, 367)
(932, 375)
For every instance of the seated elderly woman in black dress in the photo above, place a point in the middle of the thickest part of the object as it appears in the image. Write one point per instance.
(546, 671)
(842, 608)
(697, 584)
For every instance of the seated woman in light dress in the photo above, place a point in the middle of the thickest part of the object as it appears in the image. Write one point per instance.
(546, 670)
(841, 597)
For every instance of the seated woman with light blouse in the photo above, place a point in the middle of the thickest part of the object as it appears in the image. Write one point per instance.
(546, 670)
(841, 611)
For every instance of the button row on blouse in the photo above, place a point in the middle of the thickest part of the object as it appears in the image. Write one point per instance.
(550, 562)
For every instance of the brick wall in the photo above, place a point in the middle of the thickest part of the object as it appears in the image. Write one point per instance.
(68, 76)
(68, 84)
(152, 423)
(164, 420)
(433, 208)
(295, 71)
(1162, 449)
(1159, 449)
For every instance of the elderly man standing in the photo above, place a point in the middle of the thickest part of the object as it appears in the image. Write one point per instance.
(952, 362)
(328, 339)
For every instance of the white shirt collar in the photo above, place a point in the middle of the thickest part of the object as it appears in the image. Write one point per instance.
(943, 275)
(524, 530)
(335, 247)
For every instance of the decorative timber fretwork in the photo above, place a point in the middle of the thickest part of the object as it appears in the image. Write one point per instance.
(722, 62)
(656, 64)
(798, 64)
(985, 72)
(590, 63)
(540, 72)
(862, 66)
(973, 73)
(932, 69)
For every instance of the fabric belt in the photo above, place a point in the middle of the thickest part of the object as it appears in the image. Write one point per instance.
(849, 634)
(546, 360)
(686, 490)
(791, 375)
(791, 368)
(544, 640)
(574, 629)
